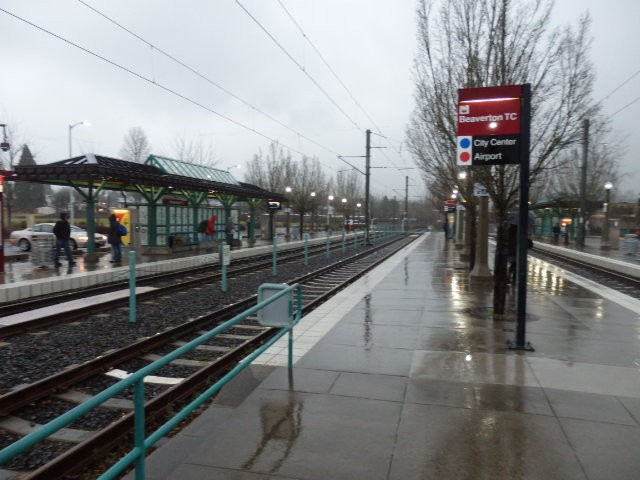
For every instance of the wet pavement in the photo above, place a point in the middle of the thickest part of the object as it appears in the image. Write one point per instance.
(406, 375)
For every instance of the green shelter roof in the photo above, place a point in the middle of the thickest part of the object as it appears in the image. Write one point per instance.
(192, 170)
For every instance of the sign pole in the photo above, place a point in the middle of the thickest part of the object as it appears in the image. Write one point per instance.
(523, 224)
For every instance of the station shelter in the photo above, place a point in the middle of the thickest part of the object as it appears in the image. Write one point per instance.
(174, 196)
(561, 211)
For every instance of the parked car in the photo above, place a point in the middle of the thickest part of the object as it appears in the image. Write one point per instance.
(79, 237)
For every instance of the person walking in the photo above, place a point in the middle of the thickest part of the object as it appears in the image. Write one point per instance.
(115, 238)
(209, 231)
(62, 231)
(229, 231)
(556, 233)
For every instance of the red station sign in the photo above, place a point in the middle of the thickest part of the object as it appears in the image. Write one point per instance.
(489, 125)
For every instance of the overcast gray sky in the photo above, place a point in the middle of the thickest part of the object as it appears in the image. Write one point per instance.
(47, 84)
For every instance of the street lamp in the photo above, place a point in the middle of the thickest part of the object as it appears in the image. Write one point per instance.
(329, 200)
(233, 166)
(71, 209)
(604, 242)
(71, 127)
(288, 217)
(313, 213)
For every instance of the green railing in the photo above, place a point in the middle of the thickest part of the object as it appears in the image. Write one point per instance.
(275, 310)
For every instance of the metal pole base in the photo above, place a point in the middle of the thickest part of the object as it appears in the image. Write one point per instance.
(512, 345)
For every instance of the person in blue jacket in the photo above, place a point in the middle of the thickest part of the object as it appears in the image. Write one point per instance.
(115, 239)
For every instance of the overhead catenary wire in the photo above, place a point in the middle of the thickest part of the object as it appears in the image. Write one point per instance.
(301, 67)
(153, 81)
(631, 77)
(204, 77)
(333, 72)
(620, 86)
(624, 107)
(155, 48)
(148, 80)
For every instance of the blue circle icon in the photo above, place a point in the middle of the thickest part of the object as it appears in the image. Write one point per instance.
(465, 143)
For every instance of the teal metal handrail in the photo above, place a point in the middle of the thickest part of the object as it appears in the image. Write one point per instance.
(142, 443)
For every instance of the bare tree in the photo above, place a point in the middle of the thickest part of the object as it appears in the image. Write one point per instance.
(9, 160)
(136, 146)
(308, 178)
(271, 171)
(276, 170)
(475, 43)
(196, 151)
(348, 186)
(602, 167)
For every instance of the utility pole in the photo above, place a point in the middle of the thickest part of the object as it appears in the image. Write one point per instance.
(406, 197)
(582, 217)
(4, 146)
(367, 175)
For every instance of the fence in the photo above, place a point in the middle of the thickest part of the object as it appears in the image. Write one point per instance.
(136, 380)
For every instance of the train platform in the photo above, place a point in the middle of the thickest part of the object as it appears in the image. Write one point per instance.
(406, 375)
(24, 276)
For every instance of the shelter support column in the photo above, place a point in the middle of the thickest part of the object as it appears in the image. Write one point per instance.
(466, 252)
(460, 215)
(481, 265)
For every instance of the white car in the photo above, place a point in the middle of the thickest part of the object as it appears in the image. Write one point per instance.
(79, 237)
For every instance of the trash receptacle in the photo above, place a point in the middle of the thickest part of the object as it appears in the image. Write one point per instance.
(42, 245)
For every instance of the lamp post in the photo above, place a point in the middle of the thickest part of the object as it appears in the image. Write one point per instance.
(329, 200)
(604, 242)
(228, 169)
(344, 213)
(71, 209)
(313, 213)
(71, 127)
(288, 217)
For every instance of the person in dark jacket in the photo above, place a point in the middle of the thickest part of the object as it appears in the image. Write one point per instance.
(115, 239)
(229, 231)
(62, 231)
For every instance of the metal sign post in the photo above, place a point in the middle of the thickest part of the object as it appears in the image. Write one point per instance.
(494, 126)
(306, 249)
(225, 260)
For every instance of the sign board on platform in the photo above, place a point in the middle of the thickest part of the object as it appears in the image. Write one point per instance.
(489, 125)
(278, 313)
(480, 190)
(225, 254)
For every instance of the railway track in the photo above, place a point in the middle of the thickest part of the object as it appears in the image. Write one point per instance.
(208, 271)
(84, 444)
(625, 284)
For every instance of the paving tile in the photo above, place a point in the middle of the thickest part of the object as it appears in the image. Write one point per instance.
(606, 451)
(509, 369)
(633, 407)
(438, 443)
(347, 358)
(301, 379)
(305, 436)
(377, 387)
(589, 406)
